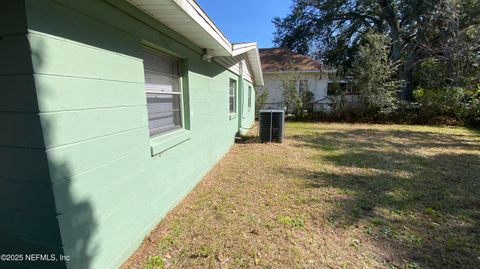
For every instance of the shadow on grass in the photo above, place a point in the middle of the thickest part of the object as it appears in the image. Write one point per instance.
(475, 128)
(377, 138)
(417, 192)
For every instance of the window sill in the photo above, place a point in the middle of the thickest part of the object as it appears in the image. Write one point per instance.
(233, 116)
(167, 141)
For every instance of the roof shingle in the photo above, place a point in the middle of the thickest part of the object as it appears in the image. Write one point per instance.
(283, 59)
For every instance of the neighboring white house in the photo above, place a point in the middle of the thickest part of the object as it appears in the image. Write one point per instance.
(279, 64)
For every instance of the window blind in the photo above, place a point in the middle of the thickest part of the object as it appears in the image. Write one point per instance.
(162, 86)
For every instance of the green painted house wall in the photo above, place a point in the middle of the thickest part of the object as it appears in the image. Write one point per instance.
(27, 204)
(77, 175)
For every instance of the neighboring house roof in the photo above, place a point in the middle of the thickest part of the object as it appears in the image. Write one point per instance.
(284, 60)
(188, 19)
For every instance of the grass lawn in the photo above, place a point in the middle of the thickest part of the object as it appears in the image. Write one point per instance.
(331, 196)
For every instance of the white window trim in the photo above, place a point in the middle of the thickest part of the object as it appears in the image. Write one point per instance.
(234, 96)
(180, 91)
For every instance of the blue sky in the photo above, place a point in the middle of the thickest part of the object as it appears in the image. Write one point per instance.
(246, 20)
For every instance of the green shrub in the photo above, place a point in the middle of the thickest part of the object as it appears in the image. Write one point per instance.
(260, 100)
(455, 102)
(374, 75)
(297, 102)
(441, 102)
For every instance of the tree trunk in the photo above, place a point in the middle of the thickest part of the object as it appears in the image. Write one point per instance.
(405, 72)
(392, 21)
(406, 75)
(406, 90)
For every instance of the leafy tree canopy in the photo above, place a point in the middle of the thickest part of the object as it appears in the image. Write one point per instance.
(417, 29)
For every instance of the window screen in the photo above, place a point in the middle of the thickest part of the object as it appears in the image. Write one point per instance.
(233, 96)
(164, 96)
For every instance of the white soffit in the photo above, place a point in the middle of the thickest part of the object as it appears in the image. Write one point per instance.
(240, 48)
(188, 19)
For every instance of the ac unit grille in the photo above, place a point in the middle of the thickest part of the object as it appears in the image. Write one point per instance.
(271, 125)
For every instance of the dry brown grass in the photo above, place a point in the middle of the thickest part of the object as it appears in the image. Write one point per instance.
(331, 196)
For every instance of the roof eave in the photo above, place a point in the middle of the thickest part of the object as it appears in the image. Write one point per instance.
(193, 10)
(300, 71)
(240, 48)
(189, 20)
(253, 56)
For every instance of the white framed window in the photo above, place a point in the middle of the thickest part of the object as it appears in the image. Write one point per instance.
(233, 96)
(163, 90)
(249, 96)
(303, 87)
